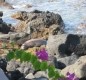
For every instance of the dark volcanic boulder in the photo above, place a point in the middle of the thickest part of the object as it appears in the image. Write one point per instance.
(4, 28)
(1, 13)
(76, 44)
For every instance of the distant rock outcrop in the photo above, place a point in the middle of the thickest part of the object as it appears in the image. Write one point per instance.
(5, 4)
(38, 24)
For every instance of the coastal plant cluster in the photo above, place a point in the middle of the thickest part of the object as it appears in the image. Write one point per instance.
(39, 62)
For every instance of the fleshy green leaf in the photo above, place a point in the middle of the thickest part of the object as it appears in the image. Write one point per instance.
(25, 57)
(57, 75)
(36, 65)
(51, 71)
(10, 55)
(33, 58)
(51, 67)
(18, 53)
(43, 66)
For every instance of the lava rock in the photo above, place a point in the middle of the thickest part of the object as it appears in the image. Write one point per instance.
(26, 68)
(4, 28)
(1, 13)
(12, 65)
(64, 62)
(80, 49)
(38, 24)
(3, 64)
(14, 75)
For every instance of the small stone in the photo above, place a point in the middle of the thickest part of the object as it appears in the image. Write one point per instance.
(12, 65)
(26, 68)
(30, 76)
(41, 74)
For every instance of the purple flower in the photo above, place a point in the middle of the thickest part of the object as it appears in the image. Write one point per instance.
(42, 54)
(71, 76)
(68, 74)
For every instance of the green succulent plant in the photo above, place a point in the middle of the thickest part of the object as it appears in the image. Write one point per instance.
(37, 64)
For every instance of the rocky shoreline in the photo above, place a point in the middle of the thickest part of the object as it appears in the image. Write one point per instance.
(36, 30)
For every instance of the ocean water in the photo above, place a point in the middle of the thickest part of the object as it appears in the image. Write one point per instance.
(73, 12)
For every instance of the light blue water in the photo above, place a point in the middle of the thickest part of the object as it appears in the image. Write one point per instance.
(73, 12)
